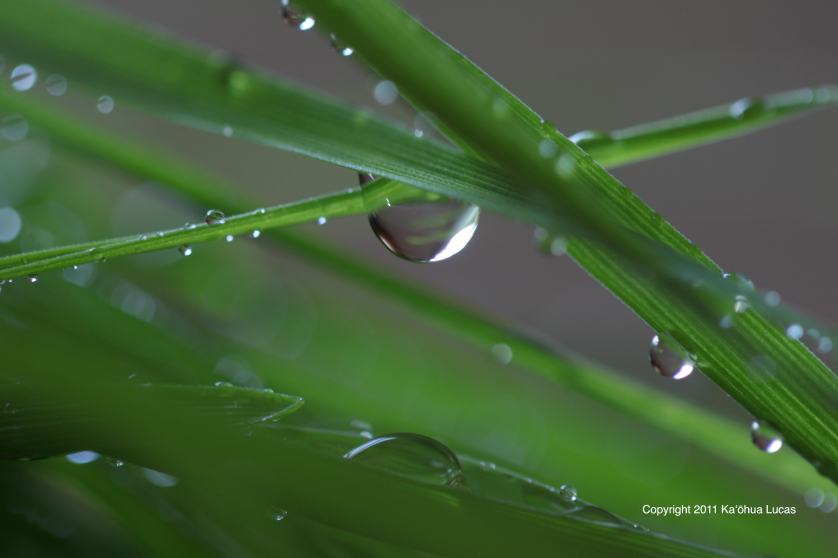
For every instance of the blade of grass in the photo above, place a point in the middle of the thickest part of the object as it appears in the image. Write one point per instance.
(801, 398)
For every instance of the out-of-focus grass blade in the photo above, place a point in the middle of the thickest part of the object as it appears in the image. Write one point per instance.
(33, 427)
(801, 399)
(648, 141)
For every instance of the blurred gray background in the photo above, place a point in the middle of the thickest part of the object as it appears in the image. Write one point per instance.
(762, 205)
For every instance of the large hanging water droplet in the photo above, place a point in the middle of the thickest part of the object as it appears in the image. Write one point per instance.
(215, 217)
(567, 493)
(24, 77)
(765, 437)
(296, 17)
(56, 85)
(340, 46)
(185, 249)
(430, 228)
(32, 278)
(669, 358)
(546, 498)
(414, 456)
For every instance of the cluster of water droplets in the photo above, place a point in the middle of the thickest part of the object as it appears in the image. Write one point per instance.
(430, 228)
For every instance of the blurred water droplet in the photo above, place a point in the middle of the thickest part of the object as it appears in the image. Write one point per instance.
(189, 226)
(414, 456)
(746, 108)
(24, 77)
(565, 166)
(813, 497)
(277, 514)
(142, 237)
(669, 358)
(227, 131)
(502, 353)
(741, 304)
(56, 85)
(215, 217)
(741, 279)
(772, 298)
(82, 457)
(587, 139)
(10, 224)
(824, 345)
(295, 16)
(14, 127)
(726, 322)
(321, 221)
(185, 249)
(547, 148)
(229, 238)
(385, 93)
(113, 461)
(340, 46)
(160, 479)
(96, 254)
(765, 437)
(105, 104)
(794, 331)
(255, 234)
(829, 503)
(424, 230)
(568, 493)
(223, 384)
(32, 278)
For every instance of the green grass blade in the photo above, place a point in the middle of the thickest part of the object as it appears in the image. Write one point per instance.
(799, 399)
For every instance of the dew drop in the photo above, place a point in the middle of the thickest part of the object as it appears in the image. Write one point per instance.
(321, 221)
(414, 456)
(794, 331)
(422, 230)
(296, 17)
(215, 217)
(24, 77)
(255, 234)
(113, 461)
(741, 304)
(277, 514)
(565, 166)
(82, 457)
(14, 127)
(223, 384)
(824, 345)
(547, 148)
(32, 278)
(227, 131)
(56, 85)
(142, 237)
(587, 139)
(669, 358)
(385, 93)
(229, 238)
(502, 353)
(765, 437)
(568, 493)
(741, 279)
(105, 104)
(772, 298)
(746, 108)
(185, 249)
(545, 497)
(340, 46)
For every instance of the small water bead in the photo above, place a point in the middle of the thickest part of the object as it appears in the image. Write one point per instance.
(82, 457)
(545, 498)
(794, 331)
(772, 298)
(14, 127)
(24, 77)
(185, 249)
(747, 107)
(424, 230)
(568, 493)
(215, 217)
(255, 234)
(414, 456)
(340, 46)
(669, 358)
(296, 17)
(385, 92)
(105, 104)
(741, 304)
(587, 139)
(32, 278)
(547, 148)
(142, 237)
(321, 221)
(56, 85)
(229, 238)
(765, 437)
(277, 514)
(502, 353)
(223, 384)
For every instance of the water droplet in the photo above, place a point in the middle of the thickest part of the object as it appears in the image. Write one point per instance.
(96, 254)
(565, 166)
(142, 237)
(412, 455)
(56, 85)
(295, 16)
(24, 77)
(567, 493)
(32, 278)
(502, 353)
(185, 249)
(223, 384)
(587, 139)
(9, 409)
(772, 298)
(669, 358)
(105, 104)
(765, 437)
(829, 503)
(421, 230)
(746, 108)
(255, 234)
(741, 279)
(321, 221)
(215, 217)
(227, 131)
(726, 322)
(813, 497)
(82, 457)
(14, 127)
(824, 345)
(113, 461)
(741, 304)
(545, 497)
(229, 238)
(547, 148)
(189, 226)
(385, 93)
(277, 514)
(794, 331)
(340, 46)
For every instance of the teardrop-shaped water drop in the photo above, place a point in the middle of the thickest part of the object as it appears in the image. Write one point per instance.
(669, 358)
(587, 139)
(185, 249)
(740, 279)
(746, 108)
(105, 104)
(24, 77)
(340, 46)
(32, 278)
(9, 409)
(56, 85)
(113, 461)
(428, 229)
(414, 456)
(215, 217)
(765, 437)
(295, 16)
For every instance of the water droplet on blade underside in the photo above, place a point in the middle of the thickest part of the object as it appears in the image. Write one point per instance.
(765, 437)
(669, 358)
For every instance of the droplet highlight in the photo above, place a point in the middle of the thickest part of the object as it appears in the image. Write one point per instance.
(340, 46)
(765, 437)
(185, 249)
(32, 278)
(414, 456)
(385, 93)
(296, 17)
(669, 358)
(56, 85)
(215, 217)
